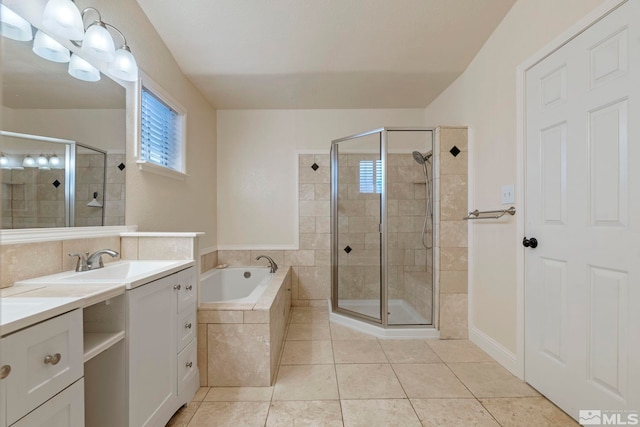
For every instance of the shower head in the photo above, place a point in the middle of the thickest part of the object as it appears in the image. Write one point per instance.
(420, 158)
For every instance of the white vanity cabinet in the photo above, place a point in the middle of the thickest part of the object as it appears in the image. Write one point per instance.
(160, 340)
(44, 386)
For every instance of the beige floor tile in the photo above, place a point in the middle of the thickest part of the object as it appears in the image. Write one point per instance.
(309, 331)
(306, 382)
(200, 394)
(309, 315)
(527, 412)
(366, 351)
(409, 351)
(307, 353)
(320, 413)
(489, 379)
(339, 332)
(379, 413)
(452, 413)
(368, 381)
(454, 351)
(429, 381)
(239, 394)
(246, 414)
(182, 417)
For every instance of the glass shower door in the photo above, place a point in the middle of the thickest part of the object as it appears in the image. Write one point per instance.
(356, 211)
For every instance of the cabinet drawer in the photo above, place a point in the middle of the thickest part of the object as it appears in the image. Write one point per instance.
(64, 410)
(187, 365)
(186, 328)
(188, 293)
(44, 358)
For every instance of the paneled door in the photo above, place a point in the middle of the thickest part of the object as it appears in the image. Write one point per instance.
(582, 218)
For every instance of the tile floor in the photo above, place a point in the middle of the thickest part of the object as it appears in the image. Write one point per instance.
(330, 375)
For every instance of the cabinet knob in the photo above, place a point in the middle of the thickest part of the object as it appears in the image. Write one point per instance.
(189, 287)
(52, 360)
(5, 370)
(177, 287)
(189, 364)
(188, 325)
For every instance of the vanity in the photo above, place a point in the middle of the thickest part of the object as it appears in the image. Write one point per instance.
(115, 346)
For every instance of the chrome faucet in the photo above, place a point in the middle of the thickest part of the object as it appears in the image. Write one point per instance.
(81, 264)
(273, 267)
(97, 257)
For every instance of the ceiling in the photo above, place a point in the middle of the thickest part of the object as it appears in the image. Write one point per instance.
(264, 54)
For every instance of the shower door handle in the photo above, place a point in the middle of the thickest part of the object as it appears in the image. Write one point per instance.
(530, 243)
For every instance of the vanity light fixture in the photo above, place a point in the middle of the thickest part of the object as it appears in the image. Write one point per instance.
(29, 162)
(42, 161)
(62, 18)
(82, 70)
(14, 26)
(4, 161)
(124, 64)
(97, 42)
(46, 47)
(54, 162)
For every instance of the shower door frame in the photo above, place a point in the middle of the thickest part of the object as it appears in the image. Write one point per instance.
(383, 227)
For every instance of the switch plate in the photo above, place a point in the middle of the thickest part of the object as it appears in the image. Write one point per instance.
(508, 194)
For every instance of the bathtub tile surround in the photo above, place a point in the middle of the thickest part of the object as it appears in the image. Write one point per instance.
(240, 344)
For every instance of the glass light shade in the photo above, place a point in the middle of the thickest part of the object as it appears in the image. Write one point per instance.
(47, 48)
(63, 19)
(82, 70)
(14, 26)
(29, 162)
(4, 162)
(42, 161)
(124, 65)
(54, 162)
(98, 43)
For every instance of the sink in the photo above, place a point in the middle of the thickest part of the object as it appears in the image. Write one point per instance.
(128, 273)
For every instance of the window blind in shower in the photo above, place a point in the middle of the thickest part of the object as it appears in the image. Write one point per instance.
(160, 132)
(371, 176)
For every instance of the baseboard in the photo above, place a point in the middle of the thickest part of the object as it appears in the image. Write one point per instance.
(496, 350)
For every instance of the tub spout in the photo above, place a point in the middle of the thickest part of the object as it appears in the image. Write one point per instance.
(273, 267)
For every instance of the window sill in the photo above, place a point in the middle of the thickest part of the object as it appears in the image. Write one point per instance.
(161, 170)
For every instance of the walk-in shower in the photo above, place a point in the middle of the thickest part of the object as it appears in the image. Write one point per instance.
(382, 227)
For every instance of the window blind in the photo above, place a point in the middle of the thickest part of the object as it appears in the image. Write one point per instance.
(371, 176)
(161, 133)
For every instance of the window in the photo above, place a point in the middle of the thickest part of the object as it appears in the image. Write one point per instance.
(371, 176)
(161, 132)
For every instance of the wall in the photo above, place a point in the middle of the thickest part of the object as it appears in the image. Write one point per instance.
(484, 97)
(257, 166)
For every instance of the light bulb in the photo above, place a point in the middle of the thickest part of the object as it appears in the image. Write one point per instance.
(14, 26)
(98, 43)
(4, 162)
(29, 162)
(124, 65)
(54, 162)
(42, 161)
(81, 69)
(63, 19)
(46, 47)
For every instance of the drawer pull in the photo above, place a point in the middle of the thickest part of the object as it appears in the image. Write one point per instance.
(189, 287)
(52, 360)
(189, 364)
(188, 325)
(177, 287)
(5, 371)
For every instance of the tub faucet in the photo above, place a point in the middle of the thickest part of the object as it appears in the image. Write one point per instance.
(97, 257)
(273, 267)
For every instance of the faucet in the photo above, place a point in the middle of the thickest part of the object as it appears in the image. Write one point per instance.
(81, 265)
(97, 256)
(273, 267)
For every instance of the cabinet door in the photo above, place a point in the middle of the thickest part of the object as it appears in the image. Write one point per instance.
(188, 293)
(187, 323)
(44, 358)
(151, 340)
(66, 409)
(187, 369)
(5, 364)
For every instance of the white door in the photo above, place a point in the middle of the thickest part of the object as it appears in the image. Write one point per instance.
(582, 281)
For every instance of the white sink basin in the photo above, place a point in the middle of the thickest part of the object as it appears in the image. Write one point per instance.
(128, 273)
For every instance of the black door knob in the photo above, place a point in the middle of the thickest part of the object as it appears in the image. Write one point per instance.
(530, 243)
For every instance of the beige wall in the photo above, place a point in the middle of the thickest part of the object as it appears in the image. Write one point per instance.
(484, 97)
(257, 166)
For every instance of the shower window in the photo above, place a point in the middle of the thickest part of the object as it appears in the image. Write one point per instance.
(371, 176)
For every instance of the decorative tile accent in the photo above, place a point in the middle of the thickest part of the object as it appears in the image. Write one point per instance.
(315, 166)
(56, 183)
(454, 151)
(121, 166)
(348, 249)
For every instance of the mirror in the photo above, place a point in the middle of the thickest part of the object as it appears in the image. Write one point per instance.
(55, 112)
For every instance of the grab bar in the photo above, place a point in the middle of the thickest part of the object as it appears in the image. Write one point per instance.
(490, 214)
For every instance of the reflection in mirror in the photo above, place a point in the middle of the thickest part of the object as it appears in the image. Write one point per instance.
(40, 98)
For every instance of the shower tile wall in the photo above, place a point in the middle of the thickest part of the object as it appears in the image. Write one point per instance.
(115, 190)
(89, 179)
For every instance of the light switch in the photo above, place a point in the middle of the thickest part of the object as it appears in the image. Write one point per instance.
(508, 194)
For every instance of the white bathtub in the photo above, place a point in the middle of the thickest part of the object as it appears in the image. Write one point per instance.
(232, 284)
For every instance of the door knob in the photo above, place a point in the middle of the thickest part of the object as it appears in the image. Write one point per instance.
(530, 243)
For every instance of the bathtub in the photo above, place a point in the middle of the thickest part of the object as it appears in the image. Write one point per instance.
(242, 285)
(241, 325)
